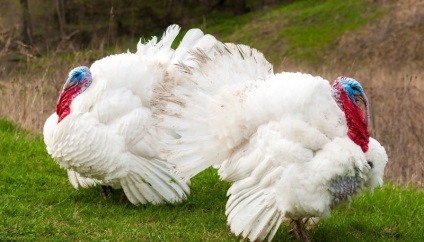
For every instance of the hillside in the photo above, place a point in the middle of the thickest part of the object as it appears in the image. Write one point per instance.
(394, 41)
(304, 31)
(355, 34)
(378, 42)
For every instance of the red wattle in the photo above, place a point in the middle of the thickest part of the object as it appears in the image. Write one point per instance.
(63, 104)
(356, 122)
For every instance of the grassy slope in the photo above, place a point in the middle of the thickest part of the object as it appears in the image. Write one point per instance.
(37, 202)
(301, 31)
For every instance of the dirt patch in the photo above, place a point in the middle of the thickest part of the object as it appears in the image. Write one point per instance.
(395, 41)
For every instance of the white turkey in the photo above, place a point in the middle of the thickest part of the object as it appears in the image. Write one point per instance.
(104, 130)
(293, 146)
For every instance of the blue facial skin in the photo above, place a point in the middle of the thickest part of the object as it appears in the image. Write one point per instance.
(353, 89)
(355, 92)
(78, 76)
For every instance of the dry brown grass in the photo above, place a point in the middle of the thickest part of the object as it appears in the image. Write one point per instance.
(394, 41)
(397, 104)
(28, 102)
(28, 96)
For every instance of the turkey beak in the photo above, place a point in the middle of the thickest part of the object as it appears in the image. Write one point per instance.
(363, 100)
(68, 84)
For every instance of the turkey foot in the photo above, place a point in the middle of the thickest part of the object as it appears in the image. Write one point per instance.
(123, 198)
(300, 231)
(311, 222)
(106, 192)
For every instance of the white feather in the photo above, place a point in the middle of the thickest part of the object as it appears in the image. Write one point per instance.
(79, 181)
(75, 178)
(110, 136)
(194, 99)
(281, 138)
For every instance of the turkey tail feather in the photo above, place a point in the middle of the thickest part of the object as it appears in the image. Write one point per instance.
(79, 181)
(152, 181)
(250, 214)
(191, 101)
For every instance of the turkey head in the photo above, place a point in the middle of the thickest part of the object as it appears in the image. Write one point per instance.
(78, 81)
(351, 98)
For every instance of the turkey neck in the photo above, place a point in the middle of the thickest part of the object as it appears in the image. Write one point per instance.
(356, 122)
(63, 105)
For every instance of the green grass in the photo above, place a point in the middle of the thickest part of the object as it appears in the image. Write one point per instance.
(391, 213)
(300, 31)
(38, 203)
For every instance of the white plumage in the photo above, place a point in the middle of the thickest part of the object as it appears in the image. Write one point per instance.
(110, 134)
(281, 138)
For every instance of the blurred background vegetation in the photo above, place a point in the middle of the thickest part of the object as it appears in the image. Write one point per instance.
(378, 42)
(64, 25)
(348, 33)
